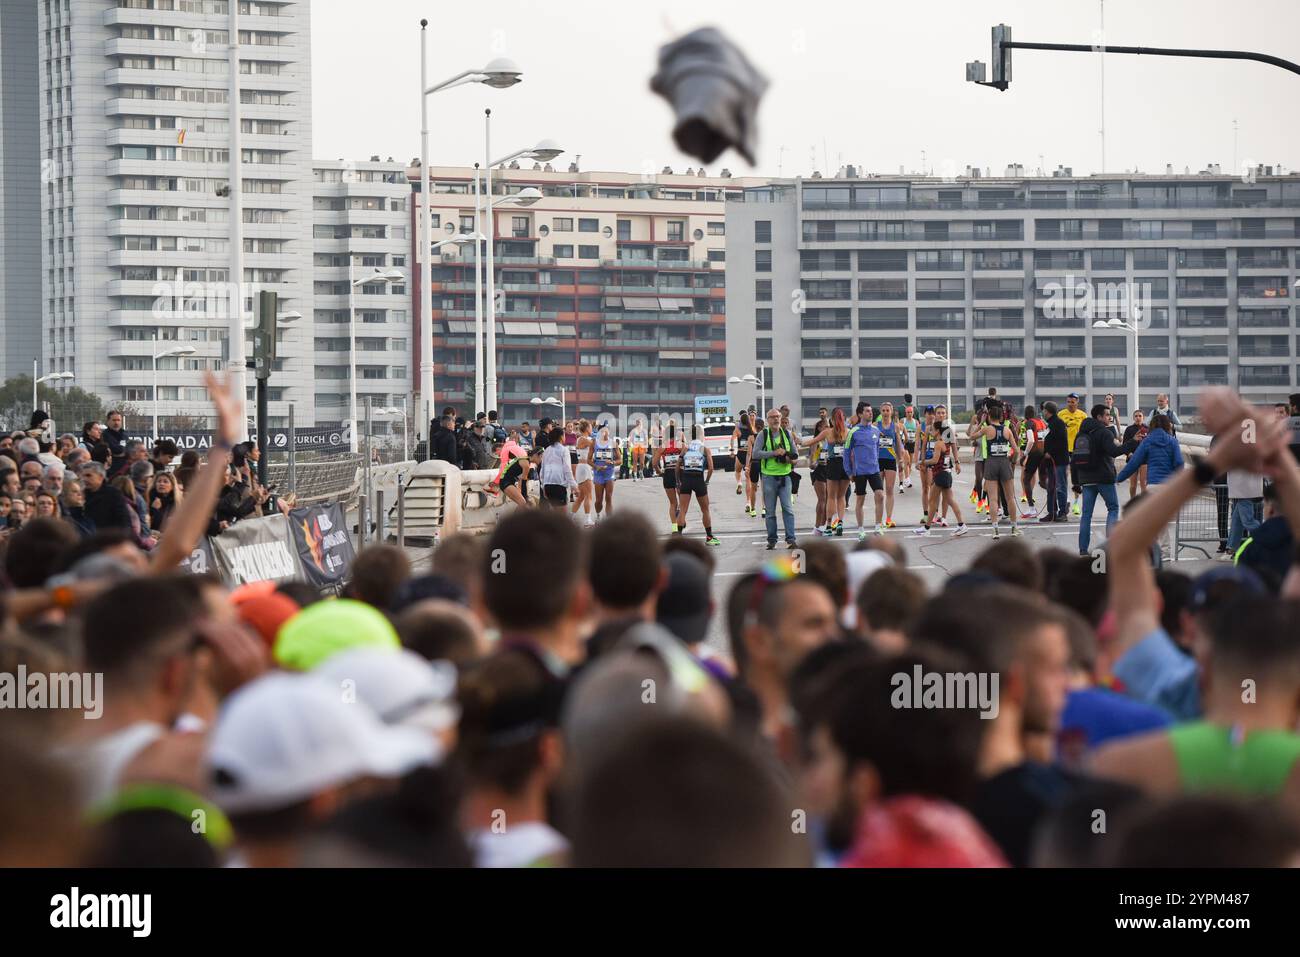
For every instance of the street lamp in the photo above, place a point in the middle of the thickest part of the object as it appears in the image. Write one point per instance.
(499, 74)
(178, 351)
(762, 389)
(562, 402)
(386, 277)
(544, 151)
(1117, 323)
(525, 197)
(932, 356)
(52, 377)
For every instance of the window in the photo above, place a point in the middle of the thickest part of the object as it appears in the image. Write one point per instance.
(562, 251)
(825, 349)
(762, 231)
(1108, 260)
(763, 348)
(882, 260)
(763, 320)
(1151, 259)
(1203, 346)
(877, 289)
(717, 229)
(588, 252)
(519, 226)
(884, 378)
(821, 260)
(676, 230)
(943, 288)
(931, 259)
(893, 318)
(762, 260)
(763, 290)
(1110, 377)
(883, 348)
(588, 225)
(999, 348)
(1265, 375)
(562, 224)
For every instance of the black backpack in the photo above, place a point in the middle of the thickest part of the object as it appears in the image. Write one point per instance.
(1082, 455)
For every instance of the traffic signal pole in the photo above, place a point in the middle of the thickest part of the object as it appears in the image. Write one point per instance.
(1003, 44)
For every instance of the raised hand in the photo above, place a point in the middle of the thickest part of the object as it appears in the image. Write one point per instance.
(223, 397)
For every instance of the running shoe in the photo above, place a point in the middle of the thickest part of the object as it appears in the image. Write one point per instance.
(1024, 499)
(862, 534)
(889, 523)
(974, 499)
(764, 515)
(771, 545)
(880, 530)
(791, 544)
(1015, 531)
(923, 531)
(712, 540)
(817, 530)
(1028, 513)
(673, 527)
(739, 490)
(839, 529)
(1077, 508)
(901, 488)
(909, 483)
(996, 533)
(941, 522)
(960, 530)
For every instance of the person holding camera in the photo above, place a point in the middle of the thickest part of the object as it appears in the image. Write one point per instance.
(776, 449)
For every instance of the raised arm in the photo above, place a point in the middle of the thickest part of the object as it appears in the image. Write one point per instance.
(189, 521)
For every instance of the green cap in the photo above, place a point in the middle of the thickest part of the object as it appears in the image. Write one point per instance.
(324, 629)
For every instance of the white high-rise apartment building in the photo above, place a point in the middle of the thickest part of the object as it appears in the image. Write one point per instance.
(362, 212)
(140, 234)
(20, 202)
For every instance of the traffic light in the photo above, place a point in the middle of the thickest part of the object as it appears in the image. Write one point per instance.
(1001, 63)
(264, 334)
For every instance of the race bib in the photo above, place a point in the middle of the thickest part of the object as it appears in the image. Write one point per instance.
(999, 448)
(837, 450)
(604, 455)
(1042, 433)
(693, 461)
(887, 442)
(670, 460)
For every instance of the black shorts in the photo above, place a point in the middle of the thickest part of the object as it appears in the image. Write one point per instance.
(941, 479)
(860, 483)
(510, 478)
(888, 465)
(819, 472)
(692, 483)
(557, 495)
(670, 478)
(742, 457)
(910, 445)
(753, 471)
(835, 471)
(1032, 462)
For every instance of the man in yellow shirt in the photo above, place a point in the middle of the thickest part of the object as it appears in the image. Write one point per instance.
(1073, 417)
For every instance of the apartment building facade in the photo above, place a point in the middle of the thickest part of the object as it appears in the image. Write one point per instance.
(138, 122)
(834, 284)
(20, 191)
(360, 224)
(611, 286)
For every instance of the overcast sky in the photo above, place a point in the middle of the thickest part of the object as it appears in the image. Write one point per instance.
(869, 83)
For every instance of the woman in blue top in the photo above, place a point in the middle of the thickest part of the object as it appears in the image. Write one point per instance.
(1159, 452)
(602, 461)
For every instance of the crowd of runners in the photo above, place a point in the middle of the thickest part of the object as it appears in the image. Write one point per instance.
(1040, 464)
(545, 695)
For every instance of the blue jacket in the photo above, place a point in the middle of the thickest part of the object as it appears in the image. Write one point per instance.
(1159, 452)
(862, 451)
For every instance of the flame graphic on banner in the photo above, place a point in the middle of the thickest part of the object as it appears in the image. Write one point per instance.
(311, 532)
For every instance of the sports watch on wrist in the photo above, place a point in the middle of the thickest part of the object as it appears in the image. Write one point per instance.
(1202, 470)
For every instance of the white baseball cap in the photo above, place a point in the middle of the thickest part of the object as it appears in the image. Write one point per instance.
(399, 686)
(285, 737)
(861, 566)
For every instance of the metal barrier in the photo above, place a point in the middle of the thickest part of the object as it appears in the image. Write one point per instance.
(1202, 521)
(332, 480)
(435, 498)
